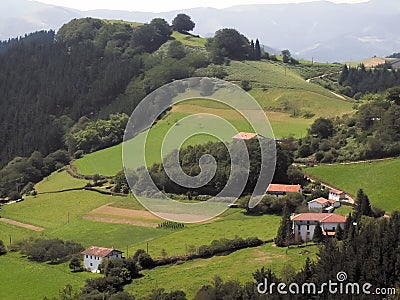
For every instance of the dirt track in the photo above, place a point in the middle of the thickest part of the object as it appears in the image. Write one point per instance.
(19, 224)
(123, 212)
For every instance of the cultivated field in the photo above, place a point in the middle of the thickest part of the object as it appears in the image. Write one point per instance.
(379, 180)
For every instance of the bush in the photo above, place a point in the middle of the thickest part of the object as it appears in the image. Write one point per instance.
(145, 261)
(3, 249)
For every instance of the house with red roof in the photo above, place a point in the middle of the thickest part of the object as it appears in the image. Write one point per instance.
(93, 256)
(280, 190)
(322, 205)
(336, 195)
(304, 224)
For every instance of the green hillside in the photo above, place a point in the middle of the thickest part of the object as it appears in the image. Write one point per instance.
(380, 180)
(283, 94)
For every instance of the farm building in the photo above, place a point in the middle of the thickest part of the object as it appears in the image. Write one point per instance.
(336, 195)
(279, 190)
(93, 256)
(322, 205)
(247, 136)
(304, 224)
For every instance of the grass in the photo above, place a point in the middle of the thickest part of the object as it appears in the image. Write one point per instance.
(240, 265)
(23, 279)
(57, 181)
(236, 224)
(52, 211)
(380, 180)
(120, 236)
(344, 210)
(189, 40)
(14, 233)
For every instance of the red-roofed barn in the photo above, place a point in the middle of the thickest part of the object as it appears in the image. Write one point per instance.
(282, 189)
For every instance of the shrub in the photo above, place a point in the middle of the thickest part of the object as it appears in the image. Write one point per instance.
(3, 249)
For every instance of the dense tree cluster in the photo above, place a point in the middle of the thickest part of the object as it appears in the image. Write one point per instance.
(189, 161)
(359, 81)
(228, 43)
(394, 55)
(373, 132)
(48, 250)
(20, 174)
(183, 23)
(90, 136)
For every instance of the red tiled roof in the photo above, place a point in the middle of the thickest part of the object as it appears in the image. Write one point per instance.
(99, 251)
(320, 217)
(245, 136)
(284, 188)
(320, 200)
(334, 191)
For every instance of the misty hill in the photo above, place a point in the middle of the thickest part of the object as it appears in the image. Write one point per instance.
(321, 30)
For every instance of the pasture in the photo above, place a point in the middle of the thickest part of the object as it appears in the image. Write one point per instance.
(23, 279)
(379, 180)
(240, 265)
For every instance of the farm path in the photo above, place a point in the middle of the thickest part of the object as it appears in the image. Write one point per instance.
(19, 224)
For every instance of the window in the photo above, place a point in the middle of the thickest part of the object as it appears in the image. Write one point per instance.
(91, 264)
(87, 256)
(308, 227)
(333, 228)
(91, 257)
(299, 227)
(308, 233)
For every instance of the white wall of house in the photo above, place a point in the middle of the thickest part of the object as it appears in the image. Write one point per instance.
(303, 230)
(91, 262)
(336, 197)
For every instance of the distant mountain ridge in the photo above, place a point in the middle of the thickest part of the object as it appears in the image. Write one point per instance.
(320, 30)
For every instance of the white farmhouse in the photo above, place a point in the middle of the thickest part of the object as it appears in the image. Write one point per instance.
(304, 224)
(93, 256)
(336, 195)
(322, 205)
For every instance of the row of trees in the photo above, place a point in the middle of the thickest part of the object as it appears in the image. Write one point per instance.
(48, 250)
(359, 81)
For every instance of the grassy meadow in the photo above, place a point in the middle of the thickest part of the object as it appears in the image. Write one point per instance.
(240, 265)
(379, 180)
(282, 93)
(22, 279)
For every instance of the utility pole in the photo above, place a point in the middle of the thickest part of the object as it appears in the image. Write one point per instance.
(147, 247)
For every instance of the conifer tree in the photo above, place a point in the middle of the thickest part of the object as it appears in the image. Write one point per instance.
(285, 235)
(257, 50)
(318, 236)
